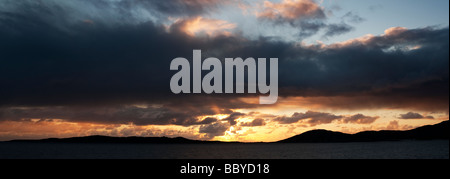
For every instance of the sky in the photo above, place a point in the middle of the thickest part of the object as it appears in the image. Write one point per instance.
(79, 68)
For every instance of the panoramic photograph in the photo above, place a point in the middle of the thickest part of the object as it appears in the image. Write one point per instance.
(224, 79)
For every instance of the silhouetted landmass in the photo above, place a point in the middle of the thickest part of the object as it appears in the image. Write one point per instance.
(108, 139)
(429, 132)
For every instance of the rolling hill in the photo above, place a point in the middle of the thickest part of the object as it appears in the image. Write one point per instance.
(429, 132)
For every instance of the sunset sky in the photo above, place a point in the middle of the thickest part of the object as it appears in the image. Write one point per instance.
(101, 67)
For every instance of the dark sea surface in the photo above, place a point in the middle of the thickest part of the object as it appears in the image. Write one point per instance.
(433, 149)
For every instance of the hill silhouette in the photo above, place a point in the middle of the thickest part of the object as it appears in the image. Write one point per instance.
(429, 132)
(109, 139)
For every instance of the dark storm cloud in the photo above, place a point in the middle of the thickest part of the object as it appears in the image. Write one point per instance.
(183, 7)
(315, 118)
(309, 28)
(53, 55)
(110, 11)
(147, 115)
(47, 65)
(403, 64)
(232, 117)
(214, 129)
(43, 62)
(182, 111)
(413, 115)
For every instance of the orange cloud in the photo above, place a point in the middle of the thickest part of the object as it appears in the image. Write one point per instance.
(395, 31)
(199, 25)
(364, 40)
(291, 10)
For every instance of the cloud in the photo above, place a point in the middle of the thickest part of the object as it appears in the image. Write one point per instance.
(413, 115)
(199, 25)
(119, 114)
(305, 15)
(214, 129)
(255, 122)
(207, 120)
(352, 17)
(232, 117)
(360, 119)
(107, 63)
(315, 118)
(105, 12)
(353, 66)
(291, 10)
(309, 28)
(54, 59)
(393, 125)
(183, 7)
(395, 31)
(337, 29)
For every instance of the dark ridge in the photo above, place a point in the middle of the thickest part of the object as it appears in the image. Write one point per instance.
(108, 139)
(429, 132)
(318, 136)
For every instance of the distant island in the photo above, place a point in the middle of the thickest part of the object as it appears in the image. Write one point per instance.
(428, 132)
